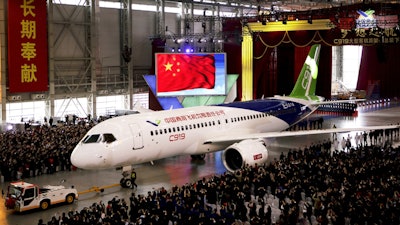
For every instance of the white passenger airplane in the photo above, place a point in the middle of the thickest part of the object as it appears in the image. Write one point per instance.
(237, 128)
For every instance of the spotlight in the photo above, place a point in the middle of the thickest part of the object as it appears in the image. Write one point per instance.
(173, 50)
(309, 19)
(179, 49)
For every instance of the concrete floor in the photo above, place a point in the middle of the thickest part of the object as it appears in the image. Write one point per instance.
(177, 170)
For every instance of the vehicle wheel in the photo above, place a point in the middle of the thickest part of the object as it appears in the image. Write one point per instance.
(44, 205)
(128, 183)
(70, 199)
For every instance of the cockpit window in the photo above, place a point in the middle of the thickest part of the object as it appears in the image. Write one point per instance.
(91, 138)
(108, 138)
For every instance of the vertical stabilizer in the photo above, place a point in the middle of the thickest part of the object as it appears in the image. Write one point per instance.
(307, 80)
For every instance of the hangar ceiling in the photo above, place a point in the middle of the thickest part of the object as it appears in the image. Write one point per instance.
(268, 5)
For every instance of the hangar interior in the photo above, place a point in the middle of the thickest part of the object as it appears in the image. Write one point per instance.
(98, 51)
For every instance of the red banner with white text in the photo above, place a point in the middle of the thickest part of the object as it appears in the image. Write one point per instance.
(27, 46)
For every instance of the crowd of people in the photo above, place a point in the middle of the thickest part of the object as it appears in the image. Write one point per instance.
(38, 150)
(315, 185)
(306, 186)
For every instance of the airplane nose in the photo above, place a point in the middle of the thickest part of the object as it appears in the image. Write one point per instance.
(87, 159)
(78, 160)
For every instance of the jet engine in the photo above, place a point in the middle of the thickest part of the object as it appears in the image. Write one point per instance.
(246, 152)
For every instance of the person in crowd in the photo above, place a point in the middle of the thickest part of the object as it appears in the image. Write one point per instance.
(334, 134)
(343, 143)
(133, 178)
(365, 137)
(51, 120)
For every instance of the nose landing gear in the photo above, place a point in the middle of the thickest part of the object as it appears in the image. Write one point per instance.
(126, 181)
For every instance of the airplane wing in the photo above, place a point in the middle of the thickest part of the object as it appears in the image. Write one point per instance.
(230, 138)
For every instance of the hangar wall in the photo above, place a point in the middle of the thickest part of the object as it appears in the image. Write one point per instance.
(85, 46)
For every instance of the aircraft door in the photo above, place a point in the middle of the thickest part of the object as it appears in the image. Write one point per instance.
(137, 136)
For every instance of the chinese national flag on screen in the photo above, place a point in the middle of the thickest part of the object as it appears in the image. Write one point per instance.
(176, 72)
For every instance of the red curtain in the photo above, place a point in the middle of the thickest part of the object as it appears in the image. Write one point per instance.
(233, 48)
(264, 69)
(324, 82)
(157, 45)
(286, 62)
(378, 71)
(234, 63)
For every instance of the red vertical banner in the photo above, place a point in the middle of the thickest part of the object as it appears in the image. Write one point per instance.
(27, 46)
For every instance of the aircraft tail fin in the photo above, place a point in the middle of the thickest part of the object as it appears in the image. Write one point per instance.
(307, 80)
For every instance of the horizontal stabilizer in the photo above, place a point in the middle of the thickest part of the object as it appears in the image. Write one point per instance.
(336, 102)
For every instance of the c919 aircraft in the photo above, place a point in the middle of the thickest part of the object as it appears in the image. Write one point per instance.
(238, 129)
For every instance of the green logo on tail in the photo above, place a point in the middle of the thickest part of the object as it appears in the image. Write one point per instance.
(307, 80)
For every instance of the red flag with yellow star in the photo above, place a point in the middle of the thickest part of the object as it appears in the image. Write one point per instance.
(176, 72)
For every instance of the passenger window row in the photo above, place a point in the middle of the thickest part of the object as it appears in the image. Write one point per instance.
(205, 124)
(183, 128)
(248, 117)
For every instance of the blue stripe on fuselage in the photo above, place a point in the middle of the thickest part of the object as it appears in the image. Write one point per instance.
(288, 111)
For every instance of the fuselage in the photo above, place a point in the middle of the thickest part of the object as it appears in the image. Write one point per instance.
(145, 137)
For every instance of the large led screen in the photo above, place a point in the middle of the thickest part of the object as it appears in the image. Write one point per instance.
(183, 74)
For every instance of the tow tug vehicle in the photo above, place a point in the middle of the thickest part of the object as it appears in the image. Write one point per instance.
(22, 196)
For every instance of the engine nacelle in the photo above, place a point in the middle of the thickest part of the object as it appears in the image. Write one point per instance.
(246, 152)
